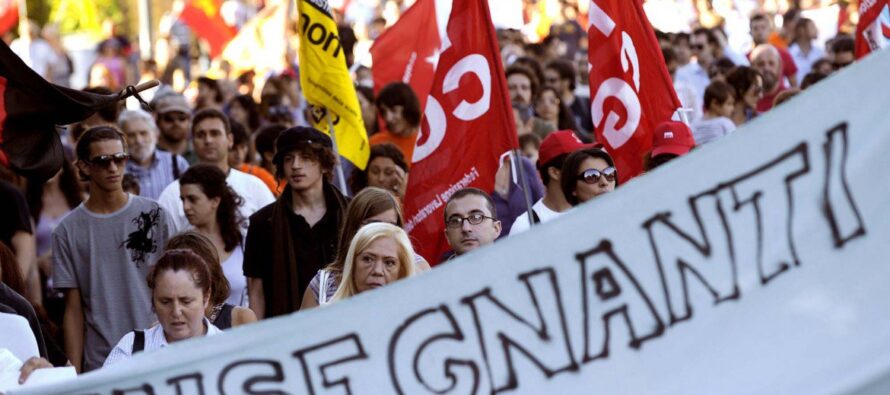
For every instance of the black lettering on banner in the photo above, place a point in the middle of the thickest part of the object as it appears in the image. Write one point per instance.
(240, 377)
(196, 377)
(317, 34)
(838, 205)
(145, 388)
(609, 290)
(545, 342)
(347, 348)
(316, 38)
(774, 211)
(429, 327)
(700, 254)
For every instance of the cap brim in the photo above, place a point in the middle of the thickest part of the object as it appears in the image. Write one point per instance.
(678, 150)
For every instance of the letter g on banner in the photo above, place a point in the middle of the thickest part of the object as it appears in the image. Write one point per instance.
(620, 90)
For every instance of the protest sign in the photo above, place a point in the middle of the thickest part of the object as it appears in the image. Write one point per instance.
(756, 264)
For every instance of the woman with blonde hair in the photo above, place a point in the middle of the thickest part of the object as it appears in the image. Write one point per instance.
(379, 254)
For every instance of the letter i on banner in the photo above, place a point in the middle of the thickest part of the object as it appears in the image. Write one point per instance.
(326, 82)
(630, 88)
(468, 125)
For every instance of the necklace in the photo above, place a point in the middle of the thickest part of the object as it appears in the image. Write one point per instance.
(215, 312)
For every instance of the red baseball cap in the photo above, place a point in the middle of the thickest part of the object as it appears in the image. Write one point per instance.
(558, 143)
(672, 137)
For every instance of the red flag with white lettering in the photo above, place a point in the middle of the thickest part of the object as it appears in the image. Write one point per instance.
(873, 29)
(408, 50)
(630, 88)
(203, 17)
(468, 125)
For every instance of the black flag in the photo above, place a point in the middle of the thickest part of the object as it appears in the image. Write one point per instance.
(30, 107)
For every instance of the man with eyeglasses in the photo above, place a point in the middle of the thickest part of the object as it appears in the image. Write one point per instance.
(102, 252)
(173, 117)
(470, 221)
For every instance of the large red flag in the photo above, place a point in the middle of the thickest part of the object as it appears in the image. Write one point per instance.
(873, 29)
(630, 88)
(408, 51)
(468, 125)
(203, 17)
(9, 15)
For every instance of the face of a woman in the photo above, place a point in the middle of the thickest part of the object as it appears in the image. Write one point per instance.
(382, 173)
(388, 216)
(238, 114)
(377, 265)
(754, 93)
(585, 191)
(199, 210)
(547, 106)
(179, 304)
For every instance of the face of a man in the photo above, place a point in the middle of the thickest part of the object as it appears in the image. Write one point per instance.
(105, 174)
(552, 79)
(211, 141)
(467, 236)
(843, 59)
(300, 171)
(702, 49)
(520, 88)
(141, 139)
(760, 30)
(174, 125)
(769, 64)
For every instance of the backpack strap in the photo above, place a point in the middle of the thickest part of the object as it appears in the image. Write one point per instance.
(138, 342)
(535, 219)
(176, 171)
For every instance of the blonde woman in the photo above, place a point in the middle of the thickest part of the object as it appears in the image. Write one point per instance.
(380, 253)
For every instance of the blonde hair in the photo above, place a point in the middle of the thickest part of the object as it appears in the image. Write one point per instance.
(362, 240)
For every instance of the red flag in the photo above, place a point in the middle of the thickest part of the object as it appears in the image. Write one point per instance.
(409, 50)
(204, 19)
(468, 125)
(873, 29)
(630, 88)
(9, 15)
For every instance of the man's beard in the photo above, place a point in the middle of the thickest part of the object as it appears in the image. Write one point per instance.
(770, 81)
(140, 155)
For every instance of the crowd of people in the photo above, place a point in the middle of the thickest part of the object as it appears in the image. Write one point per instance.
(206, 211)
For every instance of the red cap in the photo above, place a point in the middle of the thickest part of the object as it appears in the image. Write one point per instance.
(672, 137)
(558, 143)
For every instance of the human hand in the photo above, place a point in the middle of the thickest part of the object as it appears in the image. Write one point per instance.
(30, 366)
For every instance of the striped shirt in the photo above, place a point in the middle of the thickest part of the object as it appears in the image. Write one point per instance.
(159, 174)
(154, 340)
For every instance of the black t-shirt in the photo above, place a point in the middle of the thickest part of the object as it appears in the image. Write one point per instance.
(13, 211)
(315, 247)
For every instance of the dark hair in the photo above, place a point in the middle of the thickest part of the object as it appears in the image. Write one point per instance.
(569, 175)
(669, 55)
(212, 181)
(401, 94)
(719, 91)
(489, 202)
(759, 16)
(565, 69)
(195, 242)
(129, 183)
(556, 162)
(265, 141)
(110, 112)
(181, 259)
(531, 138)
(210, 113)
(96, 134)
(248, 104)
(68, 183)
(359, 178)
(313, 151)
(528, 73)
(273, 109)
(368, 93)
(239, 134)
(740, 79)
(532, 65)
(813, 77)
(9, 268)
(369, 202)
(711, 37)
(678, 37)
(843, 43)
(214, 86)
(650, 162)
(565, 120)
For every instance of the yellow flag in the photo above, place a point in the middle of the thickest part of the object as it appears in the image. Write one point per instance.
(326, 82)
(261, 43)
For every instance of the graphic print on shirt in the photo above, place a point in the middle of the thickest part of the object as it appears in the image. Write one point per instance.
(141, 242)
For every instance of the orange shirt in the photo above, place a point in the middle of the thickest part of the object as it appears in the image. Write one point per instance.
(405, 144)
(264, 175)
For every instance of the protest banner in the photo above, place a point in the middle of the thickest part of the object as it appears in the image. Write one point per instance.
(873, 29)
(756, 264)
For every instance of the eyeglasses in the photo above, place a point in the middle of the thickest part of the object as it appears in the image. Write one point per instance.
(592, 176)
(455, 222)
(104, 160)
(174, 117)
(697, 47)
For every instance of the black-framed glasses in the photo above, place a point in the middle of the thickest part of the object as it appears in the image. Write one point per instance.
(104, 160)
(456, 221)
(592, 176)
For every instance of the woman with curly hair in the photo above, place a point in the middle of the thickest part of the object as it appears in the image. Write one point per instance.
(211, 207)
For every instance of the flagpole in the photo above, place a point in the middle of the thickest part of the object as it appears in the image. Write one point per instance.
(523, 182)
(338, 168)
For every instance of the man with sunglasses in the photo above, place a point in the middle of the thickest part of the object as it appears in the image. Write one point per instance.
(173, 117)
(470, 221)
(704, 44)
(102, 252)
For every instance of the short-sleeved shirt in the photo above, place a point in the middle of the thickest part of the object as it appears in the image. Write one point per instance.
(543, 212)
(160, 173)
(706, 130)
(14, 211)
(155, 339)
(315, 247)
(107, 257)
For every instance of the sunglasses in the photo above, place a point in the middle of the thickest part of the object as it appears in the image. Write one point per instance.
(697, 47)
(592, 176)
(174, 117)
(104, 160)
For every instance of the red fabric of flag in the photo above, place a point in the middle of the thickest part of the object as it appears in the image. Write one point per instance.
(408, 50)
(203, 17)
(630, 89)
(9, 15)
(468, 125)
(873, 29)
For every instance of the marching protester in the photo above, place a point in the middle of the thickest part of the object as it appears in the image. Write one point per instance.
(173, 118)
(766, 60)
(763, 33)
(289, 240)
(470, 221)
(379, 254)
(180, 293)
(398, 105)
(153, 168)
(102, 252)
(586, 174)
(386, 169)
(719, 106)
(220, 312)
(239, 160)
(670, 140)
(747, 84)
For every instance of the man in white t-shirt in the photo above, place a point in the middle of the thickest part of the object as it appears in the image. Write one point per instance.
(212, 139)
(554, 150)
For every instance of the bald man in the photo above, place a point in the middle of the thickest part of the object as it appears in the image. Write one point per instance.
(765, 58)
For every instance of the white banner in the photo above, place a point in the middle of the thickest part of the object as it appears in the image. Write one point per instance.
(758, 264)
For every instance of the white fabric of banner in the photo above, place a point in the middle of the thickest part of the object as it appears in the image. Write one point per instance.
(758, 264)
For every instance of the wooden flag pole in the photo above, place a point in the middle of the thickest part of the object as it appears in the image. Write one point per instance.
(338, 168)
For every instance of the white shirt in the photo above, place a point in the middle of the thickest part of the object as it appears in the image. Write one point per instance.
(544, 214)
(805, 62)
(707, 130)
(154, 340)
(233, 269)
(689, 100)
(255, 193)
(694, 76)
